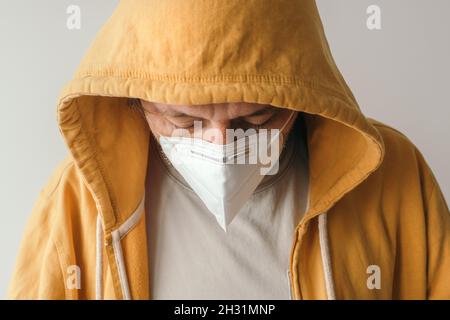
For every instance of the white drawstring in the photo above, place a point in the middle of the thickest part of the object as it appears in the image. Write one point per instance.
(325, 253)
(99, 260)
(120, 262)
(117, 236)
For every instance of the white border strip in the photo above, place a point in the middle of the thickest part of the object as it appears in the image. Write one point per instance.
(121, 265)
(117, 236)
(132, 220)
(325, 253)
(289, 283)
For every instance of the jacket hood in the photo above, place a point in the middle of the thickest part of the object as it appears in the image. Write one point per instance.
(210, 51)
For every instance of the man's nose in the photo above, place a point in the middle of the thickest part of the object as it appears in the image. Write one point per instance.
(216, 131)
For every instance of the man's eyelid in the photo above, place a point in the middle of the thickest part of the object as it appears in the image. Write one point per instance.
(174, 115)
(263, 112)
(269, 116)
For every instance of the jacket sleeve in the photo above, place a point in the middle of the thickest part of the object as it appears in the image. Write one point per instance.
(438, 238)
(37, 273)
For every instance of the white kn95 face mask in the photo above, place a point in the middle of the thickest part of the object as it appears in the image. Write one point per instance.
(225, 176)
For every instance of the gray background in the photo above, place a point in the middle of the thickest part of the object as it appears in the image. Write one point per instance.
(399, 74)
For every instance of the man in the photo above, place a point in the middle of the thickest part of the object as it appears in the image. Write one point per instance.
(140, 210)
(257, 211)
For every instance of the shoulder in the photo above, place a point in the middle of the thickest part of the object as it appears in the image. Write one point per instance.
(64, 172)
(63, 194)
(403, 161)
(393, 138)
(398, 146)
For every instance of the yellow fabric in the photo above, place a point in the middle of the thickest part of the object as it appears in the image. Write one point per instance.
(384, 205)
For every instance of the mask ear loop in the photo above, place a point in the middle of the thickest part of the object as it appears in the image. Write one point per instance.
(288, 121)
(282, 128)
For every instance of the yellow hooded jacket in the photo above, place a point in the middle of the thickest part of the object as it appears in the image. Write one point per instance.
(377, 226)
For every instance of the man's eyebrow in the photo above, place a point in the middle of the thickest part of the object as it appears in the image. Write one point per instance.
(178, 114)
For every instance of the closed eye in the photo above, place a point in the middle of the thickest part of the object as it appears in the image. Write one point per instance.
(260, 118)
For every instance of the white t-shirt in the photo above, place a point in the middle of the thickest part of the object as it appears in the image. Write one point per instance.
(192, 257)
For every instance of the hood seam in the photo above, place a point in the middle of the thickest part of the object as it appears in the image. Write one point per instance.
(179, 80)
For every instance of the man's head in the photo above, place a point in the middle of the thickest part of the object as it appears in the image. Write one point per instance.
(214, 172)
(170, 120)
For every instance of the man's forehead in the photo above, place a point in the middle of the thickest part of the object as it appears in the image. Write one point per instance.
(216, 110)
